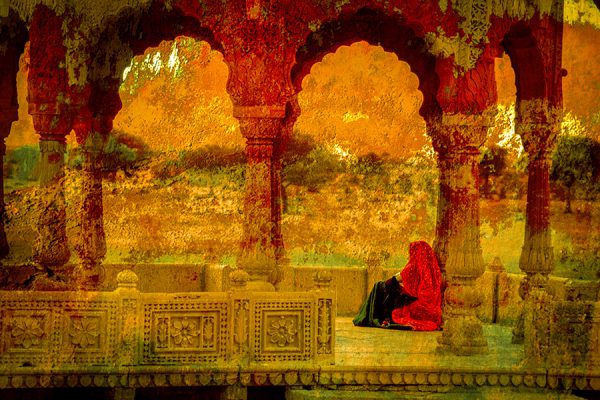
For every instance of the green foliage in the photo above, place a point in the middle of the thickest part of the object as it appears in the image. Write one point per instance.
(369, 164)
(493, 161)
(574, 165)
(20, 163)
(572, 161)
(312, 169)
(205, 166)
(212, 157)
(119, 155)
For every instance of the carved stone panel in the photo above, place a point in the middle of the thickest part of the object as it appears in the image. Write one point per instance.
(26, 334)
(34, 333)
(87, 333)
(185, 332)
(282, 331)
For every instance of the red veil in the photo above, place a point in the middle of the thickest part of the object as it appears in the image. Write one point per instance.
(422, 279)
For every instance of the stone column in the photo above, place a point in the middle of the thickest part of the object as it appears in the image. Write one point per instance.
(91, 245)
(537, 254)
(51, 249)
(457, 139)
(6, 119)
(261, 245)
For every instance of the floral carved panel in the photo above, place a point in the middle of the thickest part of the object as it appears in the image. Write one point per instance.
(88, 333)
(185, 333)
(282, 331)
(26, 331)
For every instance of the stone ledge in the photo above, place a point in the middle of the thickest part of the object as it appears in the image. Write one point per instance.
(372, 379)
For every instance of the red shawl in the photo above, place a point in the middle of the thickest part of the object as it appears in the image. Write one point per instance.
(422, 279)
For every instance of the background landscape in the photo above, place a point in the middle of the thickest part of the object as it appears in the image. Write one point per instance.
(360, 176)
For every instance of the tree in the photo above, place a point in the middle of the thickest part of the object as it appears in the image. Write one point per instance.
(573, 164)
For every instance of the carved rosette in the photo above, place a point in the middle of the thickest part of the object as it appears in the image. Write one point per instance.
(84, 332)
(27, 331)
(186, 332)
(282, 331)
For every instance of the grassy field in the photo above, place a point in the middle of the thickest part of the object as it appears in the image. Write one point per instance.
(197, 217)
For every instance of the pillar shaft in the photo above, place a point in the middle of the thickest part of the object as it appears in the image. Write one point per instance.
(537, 255)
(262, 245)
(51, 248)
(459, 239)
(91, 246)
(5, 124)
(537, 124)
(456, 140)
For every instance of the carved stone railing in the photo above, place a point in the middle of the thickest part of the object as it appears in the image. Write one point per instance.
(562, 334)
(124, 329)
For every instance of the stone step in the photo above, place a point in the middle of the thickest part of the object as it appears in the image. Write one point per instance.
(456, 394)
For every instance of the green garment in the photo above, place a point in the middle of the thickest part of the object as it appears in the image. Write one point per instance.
(383, 299)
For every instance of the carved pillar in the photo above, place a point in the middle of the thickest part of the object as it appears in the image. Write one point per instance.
(457, 139)
(91, 244)
(262, 246)
(51, 248)
(49, 106)
(537, 254)
(6, 119)
(12, 42)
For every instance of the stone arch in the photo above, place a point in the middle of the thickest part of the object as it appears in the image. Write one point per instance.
(526, 60)
(14, 36)
(130, 33)
(376, 29)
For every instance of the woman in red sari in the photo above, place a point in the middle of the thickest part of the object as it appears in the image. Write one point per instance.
(421, 278)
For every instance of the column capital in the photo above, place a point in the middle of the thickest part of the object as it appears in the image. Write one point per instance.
(456, 133)
(50, 122)
(91, 131)
(261, 130)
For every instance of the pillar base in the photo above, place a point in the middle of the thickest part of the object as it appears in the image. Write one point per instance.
(463, 336)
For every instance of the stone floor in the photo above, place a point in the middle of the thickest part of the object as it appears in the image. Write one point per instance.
(381, 364)
(359, 346)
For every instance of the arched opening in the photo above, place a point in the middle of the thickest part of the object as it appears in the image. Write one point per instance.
(359, 172)
(365, 82)
(511, 192)
(176, 196)
(503, 177)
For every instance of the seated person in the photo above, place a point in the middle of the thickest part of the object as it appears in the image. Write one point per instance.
(416, 303)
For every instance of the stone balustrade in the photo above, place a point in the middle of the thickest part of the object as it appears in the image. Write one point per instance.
(106, 335)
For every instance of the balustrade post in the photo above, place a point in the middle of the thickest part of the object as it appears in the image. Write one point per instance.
(325, 318)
